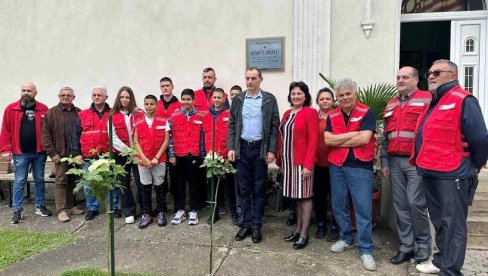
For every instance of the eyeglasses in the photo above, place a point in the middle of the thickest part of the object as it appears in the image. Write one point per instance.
(436, 73)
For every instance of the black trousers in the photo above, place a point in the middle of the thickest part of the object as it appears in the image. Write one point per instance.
(188, 171)
(447, 202)
(321, 195)
(227, 190)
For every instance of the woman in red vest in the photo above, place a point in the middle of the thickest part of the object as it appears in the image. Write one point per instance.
(321, 182)
(124, 115)
(297, 149)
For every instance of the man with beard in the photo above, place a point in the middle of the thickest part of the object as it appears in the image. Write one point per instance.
(20, 139)
(203, 97)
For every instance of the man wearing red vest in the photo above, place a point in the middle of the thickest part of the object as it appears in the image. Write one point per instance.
(218, 118)
(91, 132)
(20, 140)
(451, 146)
(168, 104)
(349, 133)
(203, 97)
(401, 115)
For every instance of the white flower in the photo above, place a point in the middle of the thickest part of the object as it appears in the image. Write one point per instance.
(97, 164)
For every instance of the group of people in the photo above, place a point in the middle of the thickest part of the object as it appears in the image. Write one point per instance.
(434, 144)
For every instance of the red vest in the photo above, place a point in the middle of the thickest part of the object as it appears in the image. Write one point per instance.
(94, 135)
(221, 126)
(186, 133)
(338, 155)
(322, 148)
(202, 103)
(401, 121)
(443, 145)
(151, 138)
(166, 113)
(118, 121)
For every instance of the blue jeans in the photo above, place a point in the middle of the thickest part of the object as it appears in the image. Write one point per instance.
(22, 163)
(91, 202)
(357, 182)
(251, 172)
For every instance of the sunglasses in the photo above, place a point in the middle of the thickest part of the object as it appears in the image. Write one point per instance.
(436, 73)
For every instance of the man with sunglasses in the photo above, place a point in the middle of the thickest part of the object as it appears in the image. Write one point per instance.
(451, 146)
(401, 115)
(20, 139)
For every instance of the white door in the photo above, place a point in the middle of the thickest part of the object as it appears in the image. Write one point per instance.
(468, 51)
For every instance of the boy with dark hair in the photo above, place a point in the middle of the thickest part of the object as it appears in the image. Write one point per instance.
(151, 139)
(186, 151)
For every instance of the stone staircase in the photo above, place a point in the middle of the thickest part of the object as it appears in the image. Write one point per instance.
(478, 215)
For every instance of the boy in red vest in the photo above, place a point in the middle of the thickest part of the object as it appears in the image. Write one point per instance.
(186, 151)
(219, 113)
(151, 140)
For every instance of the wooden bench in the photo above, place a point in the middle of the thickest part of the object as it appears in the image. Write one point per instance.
(9, 179)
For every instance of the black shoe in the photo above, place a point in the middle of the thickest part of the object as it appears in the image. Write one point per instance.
(301, 243)
(162, 220)
(90, 215)
(222, 210)
(292, 219)
(145, 221)
(216, 217)
(293, 237)
(256, 235)
(235, 218)
(117, 213)
(243, 233)
(321, 231)
(333, 234)
(16, 217)
(422, 255)
(43, 211)
(401, 257)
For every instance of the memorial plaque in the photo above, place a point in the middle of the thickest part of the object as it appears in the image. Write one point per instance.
(265, 53)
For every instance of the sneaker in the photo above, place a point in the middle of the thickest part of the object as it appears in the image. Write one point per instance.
(333, 234)
(117, 213)
(428, 268)
(179, 217)
(368, 262)
(145, 221)
(75, 211)
(162, 220)
(90, 215)
(193, 218)
(129, 219)
(340, 246)
(43, 211)
(16, 217)
(63, 217)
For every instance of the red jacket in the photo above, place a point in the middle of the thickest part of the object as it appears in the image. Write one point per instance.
(221, 127)
(152, 138)
(94, 135)
(186, 133)
(10, 134)
(322, 148)
(400, 121)
(166, 113)
(443, 145)
(305, 137)
(338, 155)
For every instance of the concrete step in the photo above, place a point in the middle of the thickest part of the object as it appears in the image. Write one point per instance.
(479, 242)
(480, 203)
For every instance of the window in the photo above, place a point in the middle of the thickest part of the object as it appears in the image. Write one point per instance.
(468, 78)
(469, 45)
(421, 6)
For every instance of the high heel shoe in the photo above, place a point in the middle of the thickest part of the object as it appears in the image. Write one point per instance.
(293, 237)
(301, 243)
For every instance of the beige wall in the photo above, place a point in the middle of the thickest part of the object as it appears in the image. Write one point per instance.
(54, 43)
(365, 60)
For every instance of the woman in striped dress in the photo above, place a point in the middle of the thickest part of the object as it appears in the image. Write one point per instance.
(296, 156)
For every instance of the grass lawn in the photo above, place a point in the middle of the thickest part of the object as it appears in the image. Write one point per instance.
(18, 245)
(97, 272)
